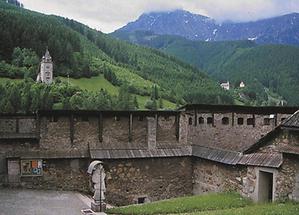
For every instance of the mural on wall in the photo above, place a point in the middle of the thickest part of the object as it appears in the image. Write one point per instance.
(31, 167)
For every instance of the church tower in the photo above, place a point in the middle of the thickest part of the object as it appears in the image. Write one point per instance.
(46, 69)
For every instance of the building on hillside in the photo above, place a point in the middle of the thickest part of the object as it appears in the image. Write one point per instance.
(242, 84)
(45, 74)
(225, 85)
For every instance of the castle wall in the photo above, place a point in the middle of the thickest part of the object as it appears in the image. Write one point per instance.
(230, 131)
(55, 134)
(283, 138)
(126, 180)
(24, 128)
(209, 176)
(60, 174)
(110, 132)
(285, 180)
(154, 179)
(62, 143)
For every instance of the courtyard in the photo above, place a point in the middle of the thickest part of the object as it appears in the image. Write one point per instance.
(40, 202)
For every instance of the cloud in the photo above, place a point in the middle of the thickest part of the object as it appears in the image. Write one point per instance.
(109, 15)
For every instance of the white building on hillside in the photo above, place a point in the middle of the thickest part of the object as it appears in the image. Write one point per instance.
(46, 69)
(242, 85)
(225, 85)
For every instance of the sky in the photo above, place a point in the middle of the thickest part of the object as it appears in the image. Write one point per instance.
(109, 15)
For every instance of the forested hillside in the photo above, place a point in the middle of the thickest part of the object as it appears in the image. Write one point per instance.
(79, 51)
(275, 67)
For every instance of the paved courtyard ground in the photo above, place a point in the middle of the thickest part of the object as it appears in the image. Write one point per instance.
(37, 202)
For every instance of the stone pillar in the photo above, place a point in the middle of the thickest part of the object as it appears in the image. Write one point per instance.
(152, 132)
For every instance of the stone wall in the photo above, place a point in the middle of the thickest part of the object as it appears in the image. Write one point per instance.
(209, 176)
(86, 133)
(55, 134)
(285, 180)
(281, 139)
(166, 132)
(230, 131)
(155, 179)
(13, 146)
(17, 126)
(288, 179)
(60, 174)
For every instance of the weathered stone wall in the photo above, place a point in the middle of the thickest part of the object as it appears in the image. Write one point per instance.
(209, 176)
(234, 134)
(60, 174)
(55, 134)
(82, 133)
(183, 129)
(166, 132)
(285, 180)
(139, 131)
(15, 134)
(281, 139)
(12, 146)
(155, 179)
(17, 125)
(86, 133)
(116, 133)
(288, 179)
(8, 125)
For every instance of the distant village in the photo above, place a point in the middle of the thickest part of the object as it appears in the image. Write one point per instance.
(226, 85)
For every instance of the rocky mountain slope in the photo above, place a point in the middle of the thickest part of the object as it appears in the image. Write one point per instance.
(277, 30)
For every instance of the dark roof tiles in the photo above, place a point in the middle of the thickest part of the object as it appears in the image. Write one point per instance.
(292, 121)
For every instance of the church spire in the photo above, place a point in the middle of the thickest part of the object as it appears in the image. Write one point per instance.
(46, 69)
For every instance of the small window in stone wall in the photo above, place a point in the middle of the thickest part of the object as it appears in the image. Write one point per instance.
(116, 118)
(210, 120)
(266, 121)
(190, 121)
(225, 121)
(240, 121)
(141, 200)
(140, 118)
(201, 120)
(250, 121)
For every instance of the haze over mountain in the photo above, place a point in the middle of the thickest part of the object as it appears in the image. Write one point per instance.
(278, 30)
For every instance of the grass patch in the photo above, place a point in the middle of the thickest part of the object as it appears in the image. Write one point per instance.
(186, 205)
(99, 82)
(94, 84)
(260, 209)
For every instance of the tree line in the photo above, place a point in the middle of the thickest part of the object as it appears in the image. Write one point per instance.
(28, 96)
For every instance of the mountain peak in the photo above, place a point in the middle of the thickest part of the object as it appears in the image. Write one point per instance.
(276, 30)
(171, 13)
(176, 22)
